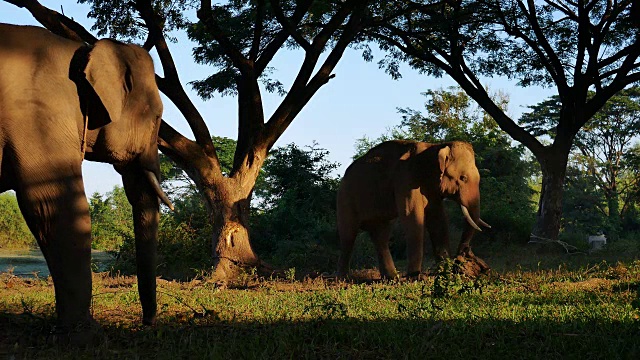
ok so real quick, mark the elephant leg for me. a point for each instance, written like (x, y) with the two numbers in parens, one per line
(438, 227)
(413, 224)
(380, 234)
(464, 248)
(57, 213)
(145, 207)
(347, 232)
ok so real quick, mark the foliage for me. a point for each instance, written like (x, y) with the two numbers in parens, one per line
(600, 177)
(111, 219)
(183, 251)
(293, 219)
(14, 232)
(583, 203)
(631, 183)
(451, 115)
(184, 235)
(536, 45)
(116, 18)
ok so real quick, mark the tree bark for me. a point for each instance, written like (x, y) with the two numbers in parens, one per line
(228, 208)
(614, 214)
(549, 216)
(228, 202)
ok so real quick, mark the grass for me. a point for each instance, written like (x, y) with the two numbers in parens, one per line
(569, 308)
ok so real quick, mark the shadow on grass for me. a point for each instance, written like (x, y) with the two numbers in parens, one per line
(24, 336)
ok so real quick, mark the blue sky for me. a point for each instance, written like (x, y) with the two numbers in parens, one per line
(360, 100)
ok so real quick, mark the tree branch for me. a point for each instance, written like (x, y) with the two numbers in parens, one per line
(583, 43)
(554, 61)
(301, 91)
(270, 50)
(55, 22)
(257, 32)
(287, 26)
(533, 45)
(473, 88)
(564, 9)
(170, 85)
(188, 155)
(320, 40)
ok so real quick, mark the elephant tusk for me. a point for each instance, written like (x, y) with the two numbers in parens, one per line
(465, 212)
(481, 222)
(153, 181)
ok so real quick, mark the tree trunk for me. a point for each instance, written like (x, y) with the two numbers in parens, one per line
(614, 221)
(549, 215)
(228, 207)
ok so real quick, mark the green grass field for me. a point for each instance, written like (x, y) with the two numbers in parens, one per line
(568, 307)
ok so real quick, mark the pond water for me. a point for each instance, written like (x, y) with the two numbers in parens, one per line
(31, 262)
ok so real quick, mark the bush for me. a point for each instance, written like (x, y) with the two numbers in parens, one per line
(111, 219)
(183, 251)
(14, 233)
(293, 221)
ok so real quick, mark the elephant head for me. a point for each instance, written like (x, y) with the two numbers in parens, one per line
(460, 182)
(121, 105)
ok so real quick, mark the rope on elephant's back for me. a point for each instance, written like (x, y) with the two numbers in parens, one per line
(85, 120)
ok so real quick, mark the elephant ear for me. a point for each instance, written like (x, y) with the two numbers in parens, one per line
(110, 78)
(444, 157)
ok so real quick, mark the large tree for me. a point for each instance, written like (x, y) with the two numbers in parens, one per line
(573, 46)
(600, 148)
(239, 40)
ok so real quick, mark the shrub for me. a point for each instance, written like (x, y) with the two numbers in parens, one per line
(14, 232)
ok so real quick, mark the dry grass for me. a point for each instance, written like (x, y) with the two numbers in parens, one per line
(561, 311)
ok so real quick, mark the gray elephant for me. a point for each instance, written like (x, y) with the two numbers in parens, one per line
(62, 101)
(408, 180)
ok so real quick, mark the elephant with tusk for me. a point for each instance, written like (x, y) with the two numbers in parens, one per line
(62, 101)
(408, 180)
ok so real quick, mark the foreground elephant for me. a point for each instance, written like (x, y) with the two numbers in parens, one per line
(409, 180)
(62, 101)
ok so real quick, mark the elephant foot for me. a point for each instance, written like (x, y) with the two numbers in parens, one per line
(80, 335)
(149, 320)
(389, 276)
(416, 276)
(471, 265)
